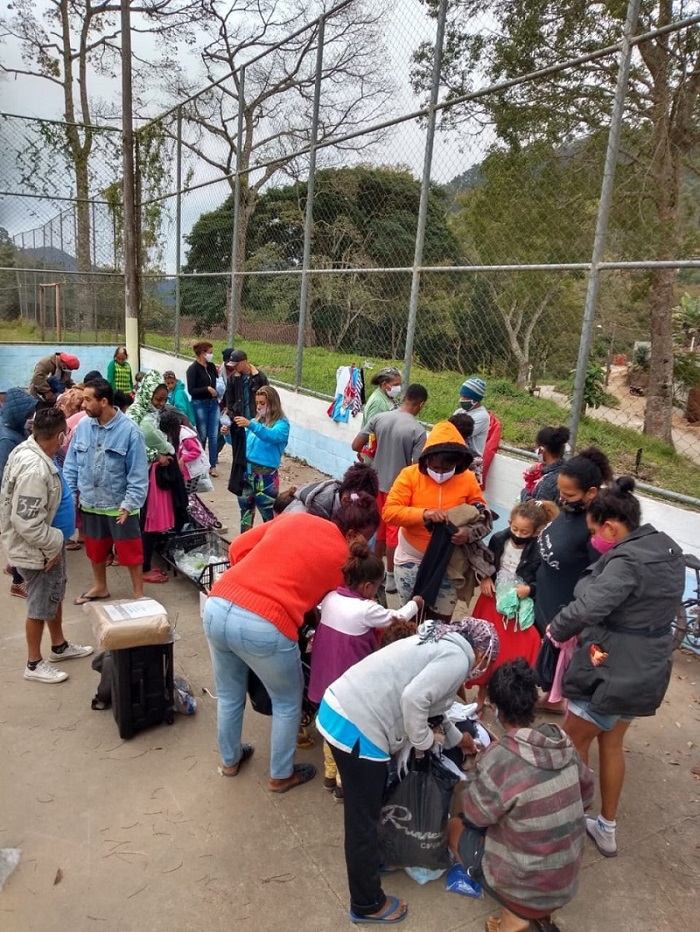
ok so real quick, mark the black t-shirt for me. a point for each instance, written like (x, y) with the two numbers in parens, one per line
(566, 551)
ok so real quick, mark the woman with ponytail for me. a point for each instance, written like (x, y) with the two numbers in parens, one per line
(622, 612)
(346, 635)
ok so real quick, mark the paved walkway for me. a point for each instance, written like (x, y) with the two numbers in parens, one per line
(144, 834)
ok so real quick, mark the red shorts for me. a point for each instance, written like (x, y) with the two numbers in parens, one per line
(101, 532)
(386, 532)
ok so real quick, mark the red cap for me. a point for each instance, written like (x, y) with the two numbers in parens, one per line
(69, 361)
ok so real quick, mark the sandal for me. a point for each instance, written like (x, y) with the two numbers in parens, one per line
(304, 740)
(155, 576)
(393, 907)
(74, 545)
(302, 773)
(247, 751)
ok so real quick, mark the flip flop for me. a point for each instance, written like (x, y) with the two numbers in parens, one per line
(73, 545)
(155, 576)
(391, 905)
(85, 598)
(302, 773)
(247, 751)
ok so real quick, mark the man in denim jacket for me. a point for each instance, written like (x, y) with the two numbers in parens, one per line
(106, 465)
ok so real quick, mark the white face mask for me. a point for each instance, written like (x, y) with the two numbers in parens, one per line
(394, 391)
(440, 477)
(540, 454)
(209, 357)
(262, 412)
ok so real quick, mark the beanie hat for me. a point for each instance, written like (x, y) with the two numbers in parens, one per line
(473, 388)
(69, 361)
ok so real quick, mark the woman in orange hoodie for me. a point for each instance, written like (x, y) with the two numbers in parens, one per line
(420, 497)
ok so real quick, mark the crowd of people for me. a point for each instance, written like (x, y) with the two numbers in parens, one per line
(575, 572)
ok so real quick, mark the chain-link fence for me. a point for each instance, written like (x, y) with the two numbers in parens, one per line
(60, 251)
(457, 188)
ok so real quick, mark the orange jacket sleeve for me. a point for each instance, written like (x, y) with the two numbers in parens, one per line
(398, 510)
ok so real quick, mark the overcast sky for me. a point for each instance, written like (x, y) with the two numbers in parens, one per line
(404, 27)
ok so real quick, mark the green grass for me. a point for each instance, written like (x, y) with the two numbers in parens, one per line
(20, 331)
(521, 414)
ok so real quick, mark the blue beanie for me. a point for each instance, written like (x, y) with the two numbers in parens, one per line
(473, 388)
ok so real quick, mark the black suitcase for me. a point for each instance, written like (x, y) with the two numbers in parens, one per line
(142, 688)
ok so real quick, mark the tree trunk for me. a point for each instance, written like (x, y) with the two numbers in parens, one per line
(659, 408)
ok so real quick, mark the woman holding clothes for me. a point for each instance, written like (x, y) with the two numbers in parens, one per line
(377, 707)
(622, 613)
(201, 384)
(267, 436)
(551, 446)
(252, 620)
(565, 544)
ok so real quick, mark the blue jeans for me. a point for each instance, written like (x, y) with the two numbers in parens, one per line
(239, 640)
(206, 414)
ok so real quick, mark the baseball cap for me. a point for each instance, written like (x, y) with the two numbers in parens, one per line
(237, 356)
(69, 361)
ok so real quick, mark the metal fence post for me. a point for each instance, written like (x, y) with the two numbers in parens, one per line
(235, 270)
(131, 271)
(601, 227)
(309, 218)
(178, 226)
(424, 194)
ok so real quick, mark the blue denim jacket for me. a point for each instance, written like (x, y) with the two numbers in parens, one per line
(107, 464)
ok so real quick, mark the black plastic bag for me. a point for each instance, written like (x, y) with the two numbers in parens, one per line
(546, 663)
(102, 664)
(414, 816)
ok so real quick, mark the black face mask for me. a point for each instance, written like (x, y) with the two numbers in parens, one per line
(519, 540)
(573, 508)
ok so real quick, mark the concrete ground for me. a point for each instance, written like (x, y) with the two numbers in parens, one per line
(144, 834)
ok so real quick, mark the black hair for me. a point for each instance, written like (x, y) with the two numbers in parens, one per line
(362, 566)
(118, 349)
(102, 389)
(460, 459)
(360, 477)
(122, 400)
(48, 423)
(170, 424)
(589, 469)
(512, 688)
(92, 375)
(617, 503)
(464, 423)
(357, 512)
(416, 393)
(553, 439)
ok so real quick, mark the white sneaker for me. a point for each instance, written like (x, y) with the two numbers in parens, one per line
(45, 673)
(70, 653)
(390, 583)
(604, 841)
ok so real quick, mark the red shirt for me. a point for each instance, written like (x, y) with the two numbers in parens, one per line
(281, 569)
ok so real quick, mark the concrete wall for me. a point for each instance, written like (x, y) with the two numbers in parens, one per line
(314, 437)
(17, 360)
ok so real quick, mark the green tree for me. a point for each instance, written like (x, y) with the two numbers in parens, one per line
(663, 129)
(9, 293)
(364, 218)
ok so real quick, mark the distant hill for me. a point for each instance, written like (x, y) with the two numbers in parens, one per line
(471, 178)
(47, 257)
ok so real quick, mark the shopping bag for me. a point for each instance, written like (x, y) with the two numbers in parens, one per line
(413, 820)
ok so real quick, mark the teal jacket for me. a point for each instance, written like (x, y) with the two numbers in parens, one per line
(179, 399)
(265, 445)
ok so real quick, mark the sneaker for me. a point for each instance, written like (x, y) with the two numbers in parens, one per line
(338, 794)
(19, 589)
(604, 841)
(70, 653)
(45, 673)
(329, 784)
(390, 583)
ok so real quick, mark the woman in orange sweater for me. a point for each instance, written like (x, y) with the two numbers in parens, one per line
(422, 495)
(279, 570)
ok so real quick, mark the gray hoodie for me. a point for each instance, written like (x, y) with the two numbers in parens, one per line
(390, 695)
